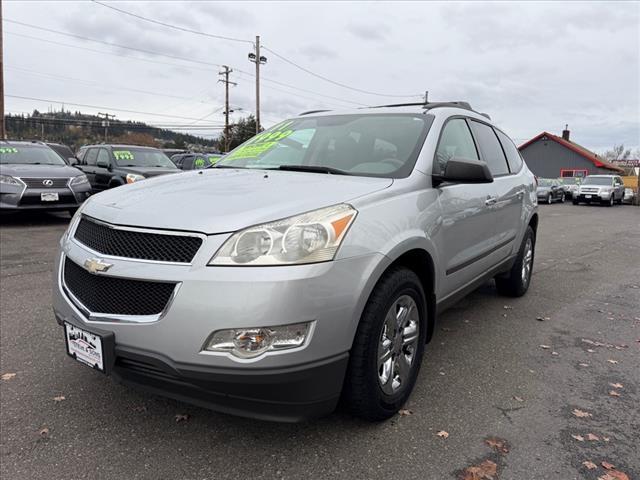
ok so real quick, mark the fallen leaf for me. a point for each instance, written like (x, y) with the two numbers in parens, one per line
(508, 307)
(498, 444)
(614, 475)
(486, 470)
(182, 417)
(590, 350)
(43, 432)
(613, 393)
(583, 364)
(612, 361)
(443, 434)
(607, 465)
(581, 413)
(405, 412)
(589, 464)
(555, 353)
(61, 398)
(546, 347)
(586, 340)
(616, 385)
(518, 399)
(7, 376)
(606, 439)
(580, 438)
(592, 438)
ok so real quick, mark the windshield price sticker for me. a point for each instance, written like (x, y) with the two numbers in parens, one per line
(262, 143)
(123, 155)
(199, 162)
(8, 150)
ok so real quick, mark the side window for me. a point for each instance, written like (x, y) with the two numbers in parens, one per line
(187, 163)
(490, 148)
(513, 154)
(455, 141)
(103, 156)
(91, 156)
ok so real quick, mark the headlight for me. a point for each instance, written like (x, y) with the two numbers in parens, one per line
(253, 342)
(133, 177)
(79, 180)
(9, 180)
(308, 238)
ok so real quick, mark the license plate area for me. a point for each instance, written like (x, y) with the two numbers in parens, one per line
(49, 197)
(587, 196)
(84, 346)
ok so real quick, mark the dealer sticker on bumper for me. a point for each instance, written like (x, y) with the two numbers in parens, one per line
(84, 346)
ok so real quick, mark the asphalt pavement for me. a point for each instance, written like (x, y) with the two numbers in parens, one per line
(533, 388)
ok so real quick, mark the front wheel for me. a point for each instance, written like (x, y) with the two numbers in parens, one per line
(517, 280)
(562, 198)
(549, 199)
(611, 201)
(388, 346)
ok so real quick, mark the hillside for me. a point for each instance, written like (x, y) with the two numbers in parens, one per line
(76, 129)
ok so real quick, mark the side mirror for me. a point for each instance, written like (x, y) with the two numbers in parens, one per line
(103, 164)
(72, 161)
(462, 170)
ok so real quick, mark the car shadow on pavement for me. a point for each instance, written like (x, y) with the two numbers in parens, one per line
(33, 219)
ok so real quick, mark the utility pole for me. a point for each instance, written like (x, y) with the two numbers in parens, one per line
(105, 123)
(256, 58)
(3, 129)
(225, 74)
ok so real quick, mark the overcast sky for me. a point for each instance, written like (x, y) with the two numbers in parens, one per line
(532, 66)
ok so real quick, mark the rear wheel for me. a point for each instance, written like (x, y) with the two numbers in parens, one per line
(562, 198)
(611, 201)
(516, 282)
(388, 347)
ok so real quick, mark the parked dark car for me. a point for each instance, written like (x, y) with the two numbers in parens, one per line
(65, 152)
(34, 177)
(195, 161)
(109, 166)
(550, 190)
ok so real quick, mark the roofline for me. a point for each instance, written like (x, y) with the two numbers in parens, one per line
(595, 160)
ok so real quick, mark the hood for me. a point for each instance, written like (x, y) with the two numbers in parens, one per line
(225, 200)
(52, 171)
(150, 171)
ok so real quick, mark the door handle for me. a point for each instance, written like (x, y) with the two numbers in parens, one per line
(491, 200)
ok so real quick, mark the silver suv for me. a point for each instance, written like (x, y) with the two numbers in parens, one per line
(307, 265)
(604, 189)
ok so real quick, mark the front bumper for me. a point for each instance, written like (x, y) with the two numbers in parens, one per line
(165, 355)
(21, 198)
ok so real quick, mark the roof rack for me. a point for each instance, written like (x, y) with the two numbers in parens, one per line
(309, 112)
(427, 105)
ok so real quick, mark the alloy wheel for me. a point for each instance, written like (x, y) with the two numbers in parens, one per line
(527, 261)
(398, 345)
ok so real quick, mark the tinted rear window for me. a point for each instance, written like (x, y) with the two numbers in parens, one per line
(513, 154)
(490, 148)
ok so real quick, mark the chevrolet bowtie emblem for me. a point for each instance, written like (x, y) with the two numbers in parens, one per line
(95, 265)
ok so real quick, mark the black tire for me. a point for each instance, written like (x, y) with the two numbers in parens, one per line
(515, 283)
(562, 198)
(363, 391)
(549, 199)
(611, 201)
(575, 201)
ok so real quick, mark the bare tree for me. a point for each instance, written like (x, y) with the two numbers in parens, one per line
(617, 153)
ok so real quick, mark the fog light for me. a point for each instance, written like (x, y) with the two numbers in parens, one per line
(253, 342)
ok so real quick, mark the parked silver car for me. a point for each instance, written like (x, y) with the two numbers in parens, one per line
(309, 264)
(604, 189)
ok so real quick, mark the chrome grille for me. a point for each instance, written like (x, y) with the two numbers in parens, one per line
(39, 182)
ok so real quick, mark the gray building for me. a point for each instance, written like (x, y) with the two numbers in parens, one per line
(550, 156)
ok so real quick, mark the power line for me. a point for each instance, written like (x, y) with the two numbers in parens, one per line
(183, 29)
(125, 47)
(168, 25)
(333, 81)
(102, 85)
(100, 107)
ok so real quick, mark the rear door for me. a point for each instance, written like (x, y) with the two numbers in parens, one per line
(88, 166)
(103, 173)
(506, 200)
(466, 233)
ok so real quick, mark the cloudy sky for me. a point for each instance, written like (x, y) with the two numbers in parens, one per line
(532, 66)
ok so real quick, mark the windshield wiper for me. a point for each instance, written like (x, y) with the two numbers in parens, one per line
(223, 166)
(313, 169)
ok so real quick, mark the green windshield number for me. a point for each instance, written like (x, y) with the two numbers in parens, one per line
(123, 155)
(8, 150)
(199, 163)
(213, 160)
(262, 143)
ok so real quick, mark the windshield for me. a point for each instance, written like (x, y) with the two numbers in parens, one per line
(380, 145)
(544, 182)
(597, 181)
(571, 181)
(29, 155)
(138, 157)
